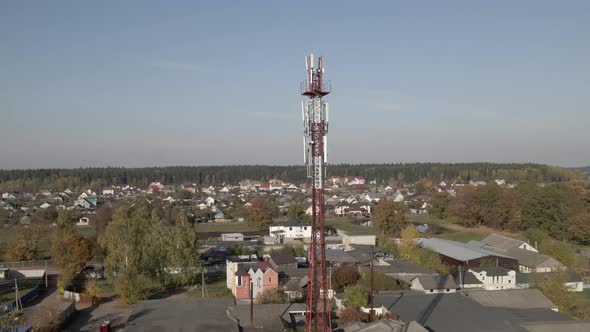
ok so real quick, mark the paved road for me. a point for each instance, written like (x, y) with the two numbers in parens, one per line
(89, 319)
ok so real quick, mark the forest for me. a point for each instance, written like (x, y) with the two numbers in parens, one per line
(60, 179)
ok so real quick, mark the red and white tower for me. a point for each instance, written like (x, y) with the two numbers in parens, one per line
(315, 113)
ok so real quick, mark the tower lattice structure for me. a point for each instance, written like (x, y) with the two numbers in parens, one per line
(315, 114)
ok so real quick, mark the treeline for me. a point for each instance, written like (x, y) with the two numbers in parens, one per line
(35, 179)
(562, 209)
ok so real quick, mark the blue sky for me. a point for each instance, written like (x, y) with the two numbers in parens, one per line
(143, 83)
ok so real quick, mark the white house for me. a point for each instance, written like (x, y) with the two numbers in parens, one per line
(84, 221)
(108, 191)
(289, 230)
(169, 199)
(45, 205)
(210, 201)
(488, 278)
(201, 206)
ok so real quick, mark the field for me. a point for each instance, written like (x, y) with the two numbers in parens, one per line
(216, 286)
(229, 227)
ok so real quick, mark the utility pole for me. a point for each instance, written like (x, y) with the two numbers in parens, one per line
(203, 284)
(251, 304)
(17, 301)
(372, 311)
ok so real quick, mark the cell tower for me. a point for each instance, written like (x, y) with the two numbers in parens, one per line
(315, 114)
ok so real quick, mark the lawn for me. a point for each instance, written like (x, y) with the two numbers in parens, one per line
(216, 286)
(229, 227)
(347, 226)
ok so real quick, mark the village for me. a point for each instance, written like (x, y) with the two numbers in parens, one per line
(244, 262)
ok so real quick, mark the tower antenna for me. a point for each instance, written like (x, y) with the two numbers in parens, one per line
(315, 128)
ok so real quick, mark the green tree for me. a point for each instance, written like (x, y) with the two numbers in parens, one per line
(439, 205)
(71, 254)
(93, 290)
(356, 297)
(432, 260)
(262, 212)
(344, 276)
(296, 212)
(381, 281)
(407, 246)
(388, 217)
(27, 243)
(555, 289)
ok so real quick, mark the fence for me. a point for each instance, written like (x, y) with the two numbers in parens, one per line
(21, 264)
(33, 293)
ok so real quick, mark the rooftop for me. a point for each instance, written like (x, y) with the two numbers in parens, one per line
(454, 312)
(456, 250)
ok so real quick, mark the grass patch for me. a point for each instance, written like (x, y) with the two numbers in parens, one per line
(347, 226)
(216, 286)
(225, 227)
(463, 237)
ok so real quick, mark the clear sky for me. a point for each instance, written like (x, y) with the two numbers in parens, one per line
(144, 83)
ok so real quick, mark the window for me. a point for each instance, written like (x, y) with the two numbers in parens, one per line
(258, 282)
(305, 228)
(290, 228)
(239, 281)
(432, 290)
(509, 281)
(269, 279)
(448, 290)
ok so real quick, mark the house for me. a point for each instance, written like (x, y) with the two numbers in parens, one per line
(220, 216)
(434, 284)
(237, 237)
(108, 191)
(201, 206)
(355, 181)
(225, 190)
(263, 187)
(397, 197)
(459, 254)
(248, 185)
(45, 193)
(169, 199)
(383, 325)
(488, 278)
(85, 203)
(84, 221)
(350, 238)
(261, 278)
(8, 196)
(528, 260)
(291, 187)
(45, 205)
(282, 260)
(457, 312)
(504, 242)
(209, 190)
(57, 198)
(373, 197)
(289, 230)
(210, 201)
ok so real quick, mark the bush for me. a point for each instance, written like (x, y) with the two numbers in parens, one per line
(93, 290)
(131, 287)
(344, 276)
(271, 295)
(381, 281)
(349, 315)
(356, 297)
